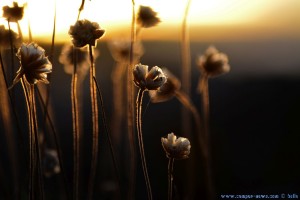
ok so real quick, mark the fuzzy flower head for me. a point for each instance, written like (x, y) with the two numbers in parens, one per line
(168, 90)
(33, 64)
(120, 50)
(85, 32)
(177, 148)
(148, 80)
(5, 38)
(50, 163)
(213, 62)
(147, 17)
(13, 14)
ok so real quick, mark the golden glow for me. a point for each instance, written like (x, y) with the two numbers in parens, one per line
(115, 14)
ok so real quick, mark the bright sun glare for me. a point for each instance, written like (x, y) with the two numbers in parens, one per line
(113, 14)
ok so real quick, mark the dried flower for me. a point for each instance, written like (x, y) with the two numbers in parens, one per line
(151, 80)
(50, 162)
(82, 57)
(13, 14)
(33, 64)
(85, 32)
(120, 50)
(213, 62)
(5, 38)
(147, 17)
(168, 90)
(176, 148)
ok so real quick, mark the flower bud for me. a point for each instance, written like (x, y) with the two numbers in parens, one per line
(176, 148)
(50, 162)
(13, 14)
(147, 17)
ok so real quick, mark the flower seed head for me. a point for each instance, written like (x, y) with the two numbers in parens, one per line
(168, 90)
(33, 64)
(213, 62)
(13, 14)
(150, 80)
(85, 32)
(147, 17)
(5, 38)
(177, 148)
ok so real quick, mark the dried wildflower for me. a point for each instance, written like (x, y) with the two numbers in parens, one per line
(213, 62)
(176, 148)
(168, 90)
(50, 163)
(5, 38)
(82, 57)
(120, 50)
(151, 80)
(147, 17)
(85, 32)
(13, 14)
(33, 64)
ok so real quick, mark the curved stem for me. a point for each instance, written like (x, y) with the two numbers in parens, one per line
(76, 134)
(108, 135)
(95, 126)
(140, 139)
(170, 178)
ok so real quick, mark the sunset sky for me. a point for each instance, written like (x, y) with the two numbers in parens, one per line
(208, 19)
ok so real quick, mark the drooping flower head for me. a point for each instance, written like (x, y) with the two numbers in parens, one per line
(5, 38)
(213, 62)
(85, 32)
(33, 64)
(120, 50)
(13, 14)
(168, 90)
(147, 17)
(177, 148)
(148, 80)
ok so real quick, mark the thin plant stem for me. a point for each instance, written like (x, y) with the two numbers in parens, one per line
(107, 130)
(140, 139)
(186, 65)
(12, 52)
(95, 126)
(31, 157)
(170, 178)
(205, 107)
(130, 108)
(80, 8)
(76, 145)
(37, 144)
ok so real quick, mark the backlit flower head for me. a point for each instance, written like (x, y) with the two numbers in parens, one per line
(148, 80)
(5, 38)
(168, 90)
(120, 50)
(213, 62)
(13, 14)
(50, 162)
(177, 148)
(33, 64)
(147, 17)
(82, 56)
(85, 32)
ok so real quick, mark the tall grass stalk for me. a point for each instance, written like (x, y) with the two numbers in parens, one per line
(186, 65)
(140, 140)
(130, 107)
(95, 121)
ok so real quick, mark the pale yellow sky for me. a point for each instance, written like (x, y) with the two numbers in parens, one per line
(208, 19)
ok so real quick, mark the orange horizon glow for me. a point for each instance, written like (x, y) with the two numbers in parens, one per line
(208, 19)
